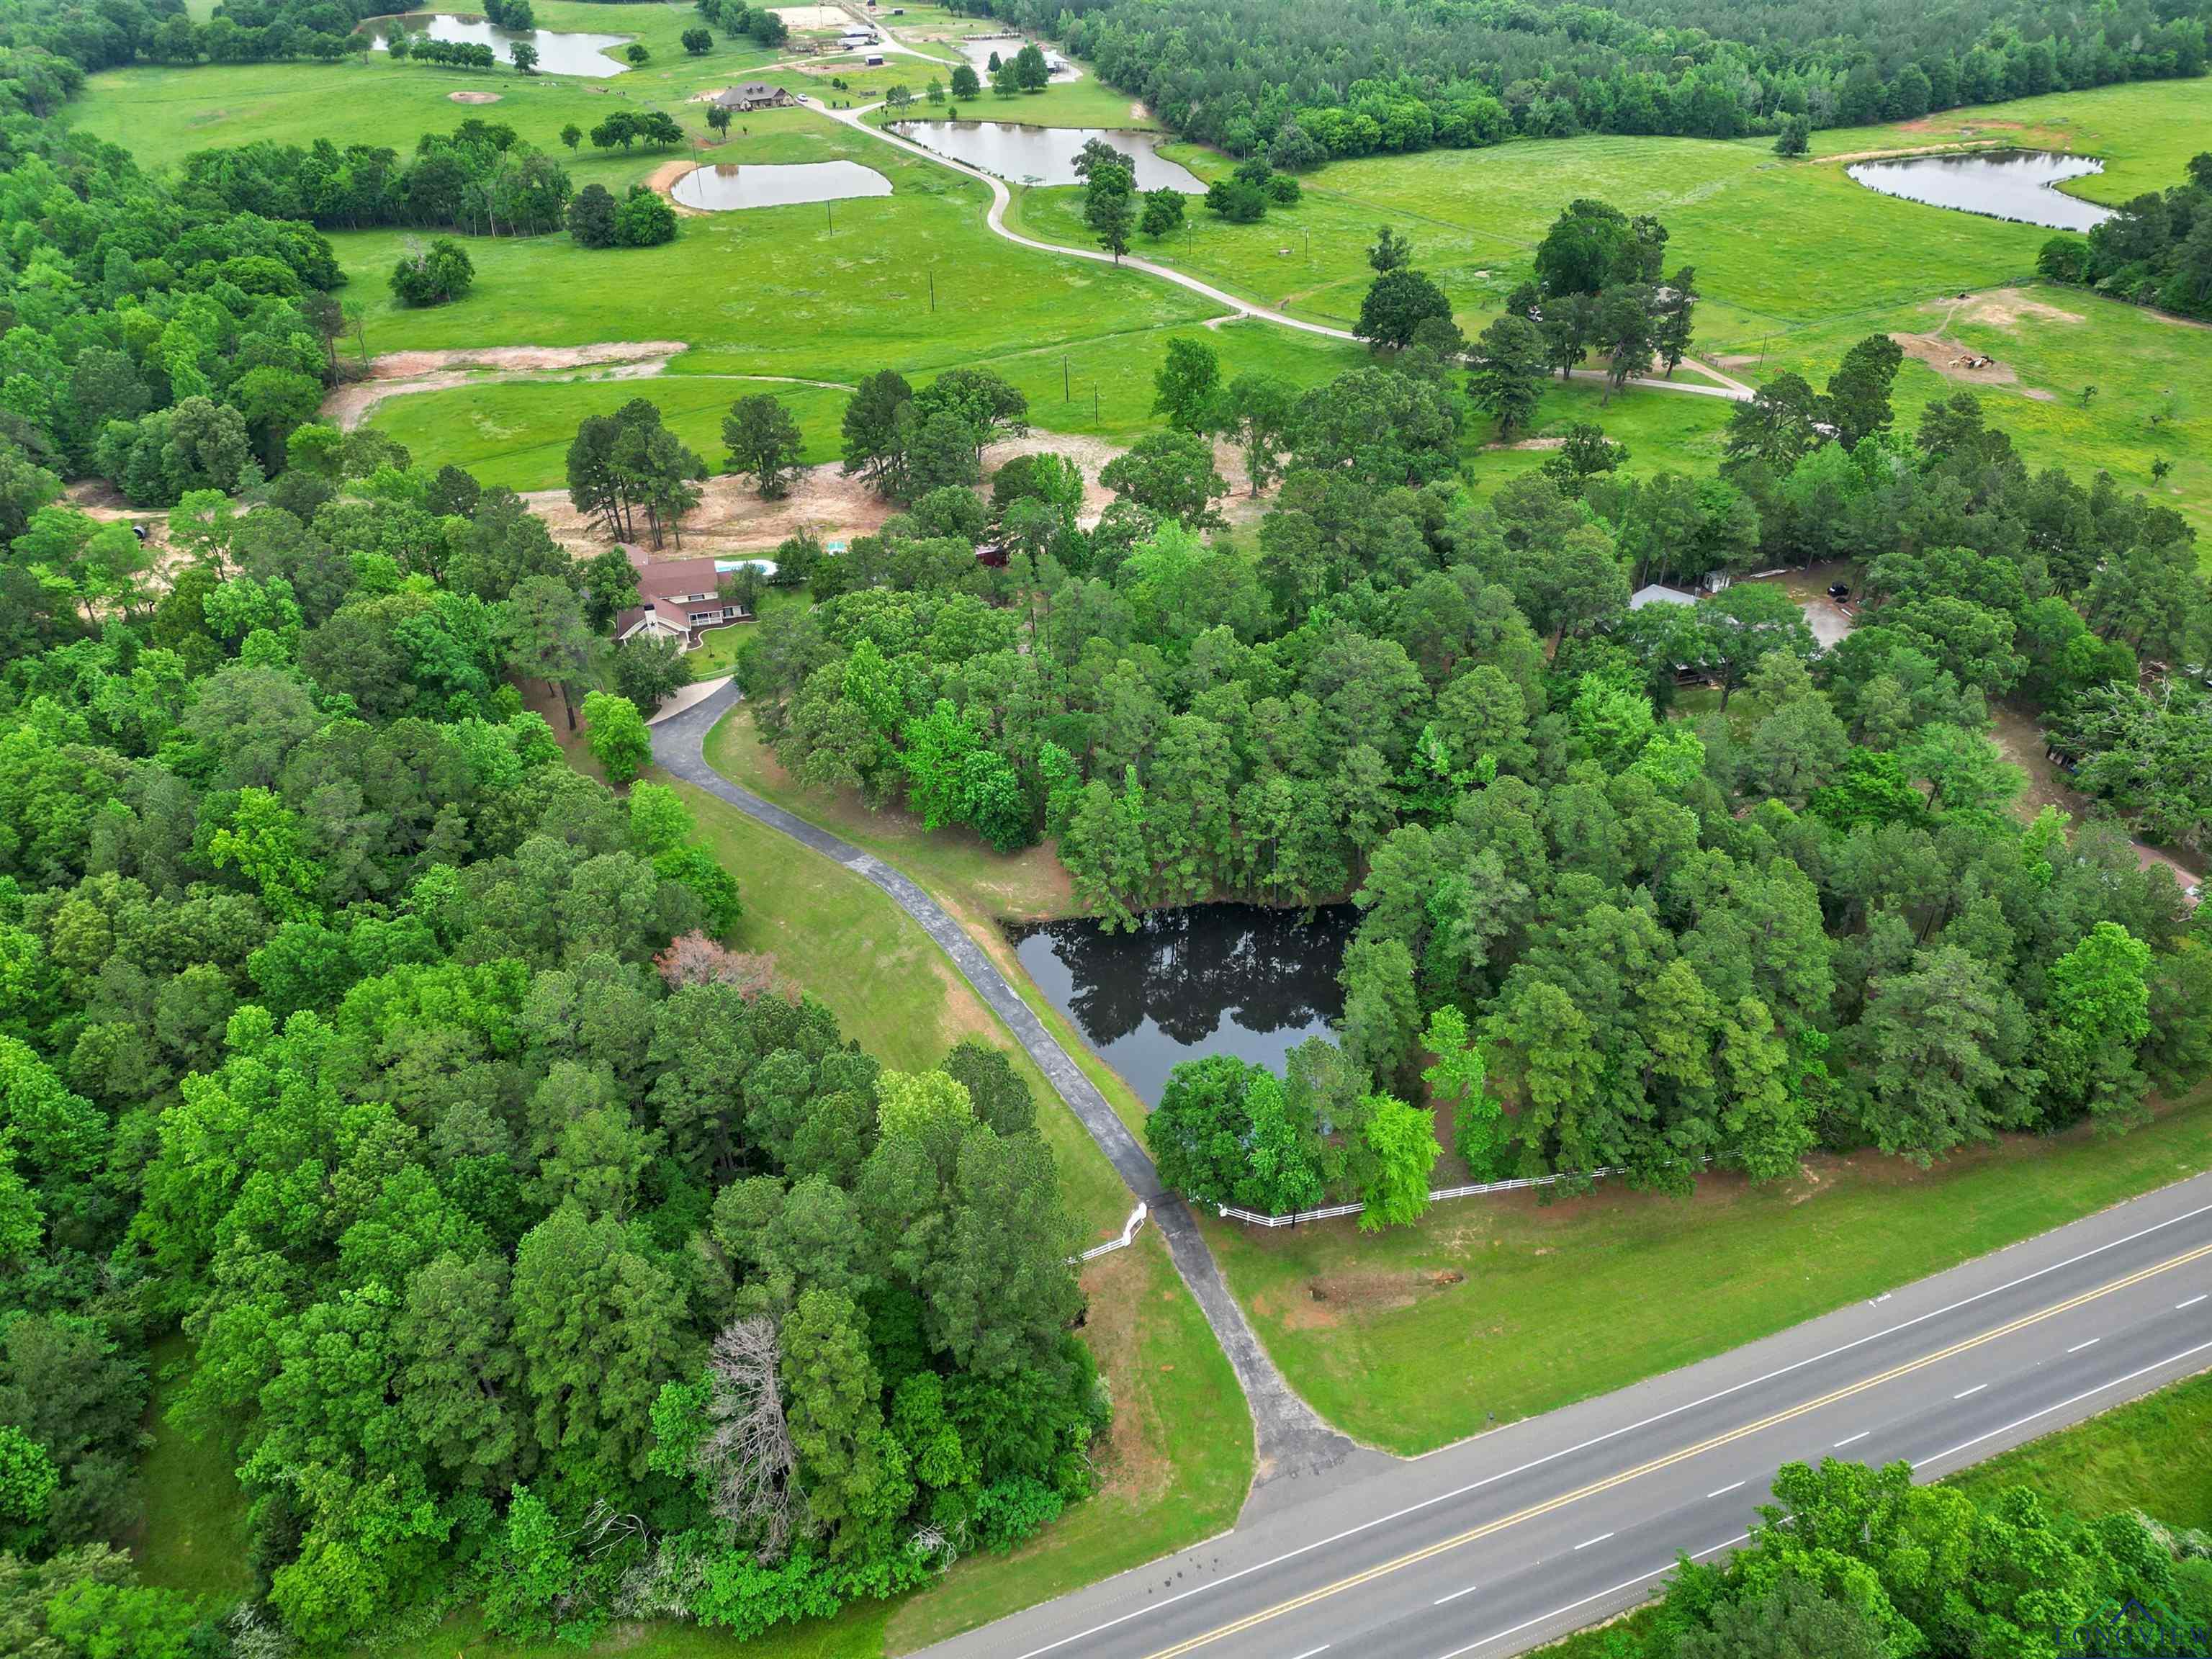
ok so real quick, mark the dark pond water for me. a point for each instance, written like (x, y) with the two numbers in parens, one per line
(1044, 156)
(1214, 979)
(735, 184)
(558, 53)
(2011, 183)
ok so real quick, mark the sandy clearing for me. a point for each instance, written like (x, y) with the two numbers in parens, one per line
(1906, 153)
(2002, 307)
(664, 177)
(730, 518)
(473, 97)
(823, 503)
(814, 17)
(397, 373)
(1954, 362)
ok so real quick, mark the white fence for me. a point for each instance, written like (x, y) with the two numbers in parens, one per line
(1128, 1236)
(1333, 1210)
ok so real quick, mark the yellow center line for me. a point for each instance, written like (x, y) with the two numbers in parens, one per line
(1414, 1558)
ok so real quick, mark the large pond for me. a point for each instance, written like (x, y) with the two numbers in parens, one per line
(2011, 183)
(1214, 978)
(734, 185)
(558, 53)
(1044, 156)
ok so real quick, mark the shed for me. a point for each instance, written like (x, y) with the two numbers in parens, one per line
(1656, 594)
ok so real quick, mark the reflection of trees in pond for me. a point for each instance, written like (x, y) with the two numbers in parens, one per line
(1184, 969)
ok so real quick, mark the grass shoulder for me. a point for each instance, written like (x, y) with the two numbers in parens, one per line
(1414, 1337)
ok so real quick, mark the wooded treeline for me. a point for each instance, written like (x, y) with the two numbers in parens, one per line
(532, 1248)
(1854, 1563)
(2155, 251)
(1308, 80)
(480, 178)
(1804, 914)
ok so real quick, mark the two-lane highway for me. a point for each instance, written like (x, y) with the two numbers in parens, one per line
(1509, 1540)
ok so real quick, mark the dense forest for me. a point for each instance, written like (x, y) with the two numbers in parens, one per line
(1309, 80)
(533, 1249)
(1802, 914)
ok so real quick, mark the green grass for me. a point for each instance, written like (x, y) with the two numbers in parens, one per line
(162, 113)
(517, 432)
(856, 1633)
(195, 1537)
(893, 991)
(2148, 1454)
(2153, 375)
(831, 295)
(1410, 1339)
(981, 888)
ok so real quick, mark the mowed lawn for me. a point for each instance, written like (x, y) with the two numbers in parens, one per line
(1412, 1338)
(2149, 1454)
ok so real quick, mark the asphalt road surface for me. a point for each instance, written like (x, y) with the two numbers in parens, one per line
(1514, 1538)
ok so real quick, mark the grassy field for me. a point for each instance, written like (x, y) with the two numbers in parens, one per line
(518, 433)
(1411, 1339)
(161, 113)
(194, 1539)
(981, 888)
(2148, 1454)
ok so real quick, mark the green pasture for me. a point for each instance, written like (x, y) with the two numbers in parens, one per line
(517, 432)
(1775, 246)
(824, 291)
(161, 113)
(2152, 375)
(1413, 1337)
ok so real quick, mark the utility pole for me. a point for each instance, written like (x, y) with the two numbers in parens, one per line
(1066, 396)
(829, 215)
(932, 289)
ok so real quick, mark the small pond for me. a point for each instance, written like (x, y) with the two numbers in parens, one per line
(748, 185)
(2008, 184)
(558, 53)
(1044, 156)
(1212, 979)
(979, 52)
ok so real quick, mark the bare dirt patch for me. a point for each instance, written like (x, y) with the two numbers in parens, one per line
(2003, 307)
(1954, 362)
(398, 373)
(473, 97)
(814, 17)
(1530, 443)
(2039, 393)
(731, 518)
(663, 178)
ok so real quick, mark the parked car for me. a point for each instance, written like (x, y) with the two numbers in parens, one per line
(1838, 592)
